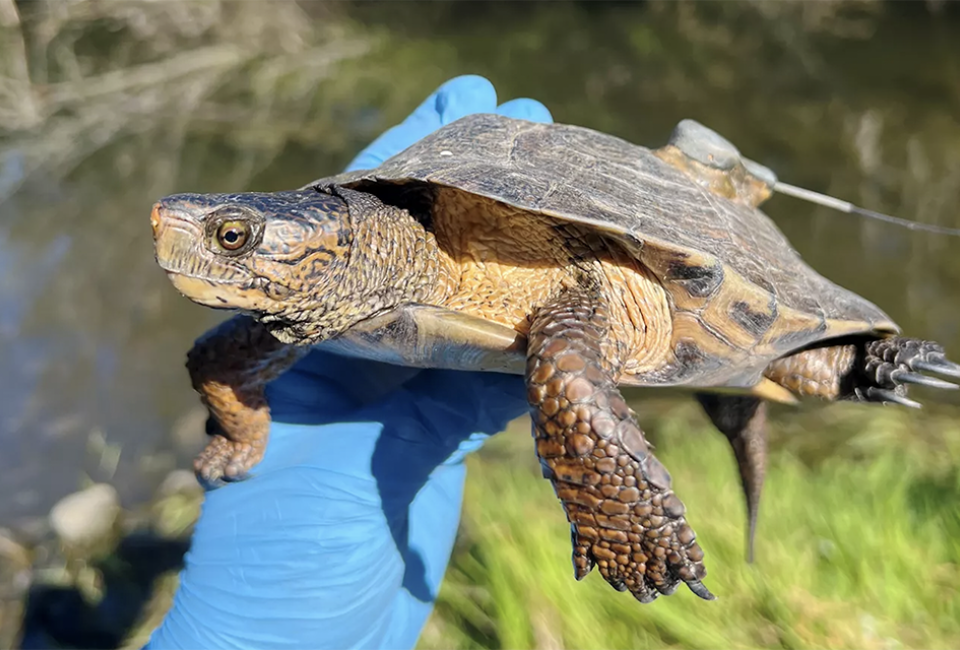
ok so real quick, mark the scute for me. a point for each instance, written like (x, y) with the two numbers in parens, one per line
(747, 294)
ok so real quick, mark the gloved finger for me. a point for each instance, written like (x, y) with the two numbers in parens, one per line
(454, 99)
(464, 96)
(447, 401)
(332, 385)
(325, 388)
(314, 393)
(525, 109)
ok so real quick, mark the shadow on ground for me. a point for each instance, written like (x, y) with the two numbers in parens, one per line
(61, 617)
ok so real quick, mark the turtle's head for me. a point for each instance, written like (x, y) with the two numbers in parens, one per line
(268, 254)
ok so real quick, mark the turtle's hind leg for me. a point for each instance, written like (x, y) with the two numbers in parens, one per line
(230, 367)
(624, 516)
(743, 420)
(890, 365)
(878, 370)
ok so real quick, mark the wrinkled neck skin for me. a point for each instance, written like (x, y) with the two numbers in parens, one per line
(391, 260)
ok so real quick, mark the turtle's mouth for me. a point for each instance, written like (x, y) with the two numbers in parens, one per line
(245, 295)
(202, 291)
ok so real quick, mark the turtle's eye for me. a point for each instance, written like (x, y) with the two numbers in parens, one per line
(232, 235)
(233, 230)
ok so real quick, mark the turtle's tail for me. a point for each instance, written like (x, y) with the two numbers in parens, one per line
(888, 366)
(743, 420)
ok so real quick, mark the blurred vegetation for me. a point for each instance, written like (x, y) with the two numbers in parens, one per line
(79, 75)
(106, 105)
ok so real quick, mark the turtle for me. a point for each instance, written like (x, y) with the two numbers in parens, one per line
(572, 257)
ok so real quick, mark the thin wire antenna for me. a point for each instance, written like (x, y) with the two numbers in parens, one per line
(849, 208)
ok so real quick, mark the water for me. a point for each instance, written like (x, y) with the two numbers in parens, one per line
(862, 105)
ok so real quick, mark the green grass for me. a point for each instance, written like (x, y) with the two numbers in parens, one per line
(858, 546)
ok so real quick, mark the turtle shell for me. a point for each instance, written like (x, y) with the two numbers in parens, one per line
(740, 294)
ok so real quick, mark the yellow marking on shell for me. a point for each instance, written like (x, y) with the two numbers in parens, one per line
(690, 326)
(671, 265)
(780, 338)
(773, 392)
(706, 294)
(740, 311)
(844, 327)
(765, 389)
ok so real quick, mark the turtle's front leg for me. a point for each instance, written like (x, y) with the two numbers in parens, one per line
(230, 367)
(624, 516)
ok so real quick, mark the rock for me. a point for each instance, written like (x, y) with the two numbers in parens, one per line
(86, 517)
(179, 481)
(16, 569)
(189, 431)
(177, 504)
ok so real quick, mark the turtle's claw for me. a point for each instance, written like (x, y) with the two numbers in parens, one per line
(891, 364)
(701, 590)
(939, 366)
(646, 597)
(668, 589)
(210, 484)
(923, 380)
(883, 395)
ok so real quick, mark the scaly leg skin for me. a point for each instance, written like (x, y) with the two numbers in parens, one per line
(878, 370)
(743, 420)
(230, 366)
(624, 516)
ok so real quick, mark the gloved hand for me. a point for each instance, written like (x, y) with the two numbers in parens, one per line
(342, 535)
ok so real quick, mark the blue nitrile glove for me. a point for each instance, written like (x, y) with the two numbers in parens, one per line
(342, 535)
